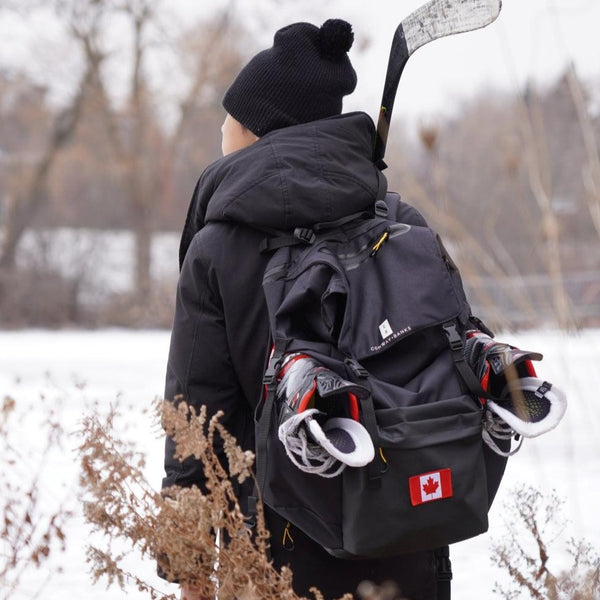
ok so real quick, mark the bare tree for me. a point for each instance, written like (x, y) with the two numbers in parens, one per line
(144, 151)
(591, 168)
(28, 198)
(540, 180)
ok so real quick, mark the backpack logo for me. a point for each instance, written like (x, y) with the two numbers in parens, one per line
(385, 329)
(427, 487)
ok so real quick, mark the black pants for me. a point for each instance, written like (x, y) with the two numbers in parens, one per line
(313, 566)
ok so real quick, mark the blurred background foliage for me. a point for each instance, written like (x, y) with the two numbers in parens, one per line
(96, 171)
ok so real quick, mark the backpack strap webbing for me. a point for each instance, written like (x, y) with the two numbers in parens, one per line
(266, 411)
(387, 207)
(301, 235)
(376, 468)
(457, 348)
(307, 235)
(443, 568)
(264, 422)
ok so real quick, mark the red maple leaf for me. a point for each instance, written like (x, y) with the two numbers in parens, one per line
(431, 486)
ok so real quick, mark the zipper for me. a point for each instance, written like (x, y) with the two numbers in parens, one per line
(369, 250)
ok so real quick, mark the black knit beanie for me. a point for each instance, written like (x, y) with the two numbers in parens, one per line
(302, 77)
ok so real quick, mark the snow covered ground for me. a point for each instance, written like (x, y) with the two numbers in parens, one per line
(74, 371)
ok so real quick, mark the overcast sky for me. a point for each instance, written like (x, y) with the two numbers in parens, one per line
(531, 40)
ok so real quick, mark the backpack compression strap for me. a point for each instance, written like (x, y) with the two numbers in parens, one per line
(306, 235)
(266, 411)
(457, 348)
(264, 416)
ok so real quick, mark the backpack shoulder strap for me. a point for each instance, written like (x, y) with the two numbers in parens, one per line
(393, 208)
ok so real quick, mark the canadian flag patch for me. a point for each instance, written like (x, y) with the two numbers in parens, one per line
(427, 487)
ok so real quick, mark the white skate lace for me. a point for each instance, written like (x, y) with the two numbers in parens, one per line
(306, 455)
(494, 428)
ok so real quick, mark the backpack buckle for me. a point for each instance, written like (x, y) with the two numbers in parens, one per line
(269, 376)
(381, 209)
(272, 370)
(356, 368)
(443, 564)
(305, 235)
(454, 339)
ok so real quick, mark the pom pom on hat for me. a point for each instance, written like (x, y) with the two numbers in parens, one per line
(303, 77)
(335, 38)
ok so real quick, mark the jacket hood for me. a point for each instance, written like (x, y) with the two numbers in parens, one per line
(292, 177)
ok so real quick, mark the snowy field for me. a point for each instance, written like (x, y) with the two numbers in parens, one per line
(75, 371)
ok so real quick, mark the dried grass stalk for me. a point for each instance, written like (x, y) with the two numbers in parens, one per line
(525, 552)
(178, 528)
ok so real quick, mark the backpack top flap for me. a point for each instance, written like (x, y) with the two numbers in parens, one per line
(362, 291)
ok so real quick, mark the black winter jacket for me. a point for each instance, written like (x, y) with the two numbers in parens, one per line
(296, 176)
(292, 177)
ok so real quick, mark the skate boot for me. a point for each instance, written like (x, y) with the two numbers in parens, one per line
(319, 418)
(529, 405)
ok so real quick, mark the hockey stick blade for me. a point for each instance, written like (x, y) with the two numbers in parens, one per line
(434, 20)
(441, 18)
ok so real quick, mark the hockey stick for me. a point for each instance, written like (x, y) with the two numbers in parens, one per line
(436, 19)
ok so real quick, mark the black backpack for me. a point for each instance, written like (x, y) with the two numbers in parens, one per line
(380, 303)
